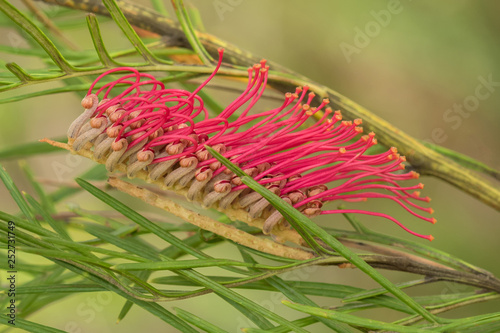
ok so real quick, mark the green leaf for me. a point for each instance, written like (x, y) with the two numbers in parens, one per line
(159, 7)
(21, 223)
(134, 246)
(464, 160)
(56, 226)
(482, 327)
(198, 322)
(60, 288)
(342, 291)
(257, 330)
(95, 34)
(17, 196)
(124, 311)
(196, 20)
(84, 248)
(465, 323)
(380, 291)
(184, 264)
(352, 320)
(22, 21)
(269, 256)
(127, 29)
(45, 201)
(255, 317)
(58, 254)
(189, 31)
(29, 326)
(174, 252)
(20, 73)
(103, 220)
(122, 232)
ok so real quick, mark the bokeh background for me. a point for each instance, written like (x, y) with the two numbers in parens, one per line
(426, 57)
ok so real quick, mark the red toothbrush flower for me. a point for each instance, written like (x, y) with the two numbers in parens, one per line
(142, 124)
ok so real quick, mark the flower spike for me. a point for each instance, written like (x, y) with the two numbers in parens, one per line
(144, 125)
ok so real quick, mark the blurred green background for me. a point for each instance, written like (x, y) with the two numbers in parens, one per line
(408, 67)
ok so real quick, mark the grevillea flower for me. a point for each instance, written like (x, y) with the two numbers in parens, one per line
(142, 124)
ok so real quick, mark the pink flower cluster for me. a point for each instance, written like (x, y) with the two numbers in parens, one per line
(146, 126)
